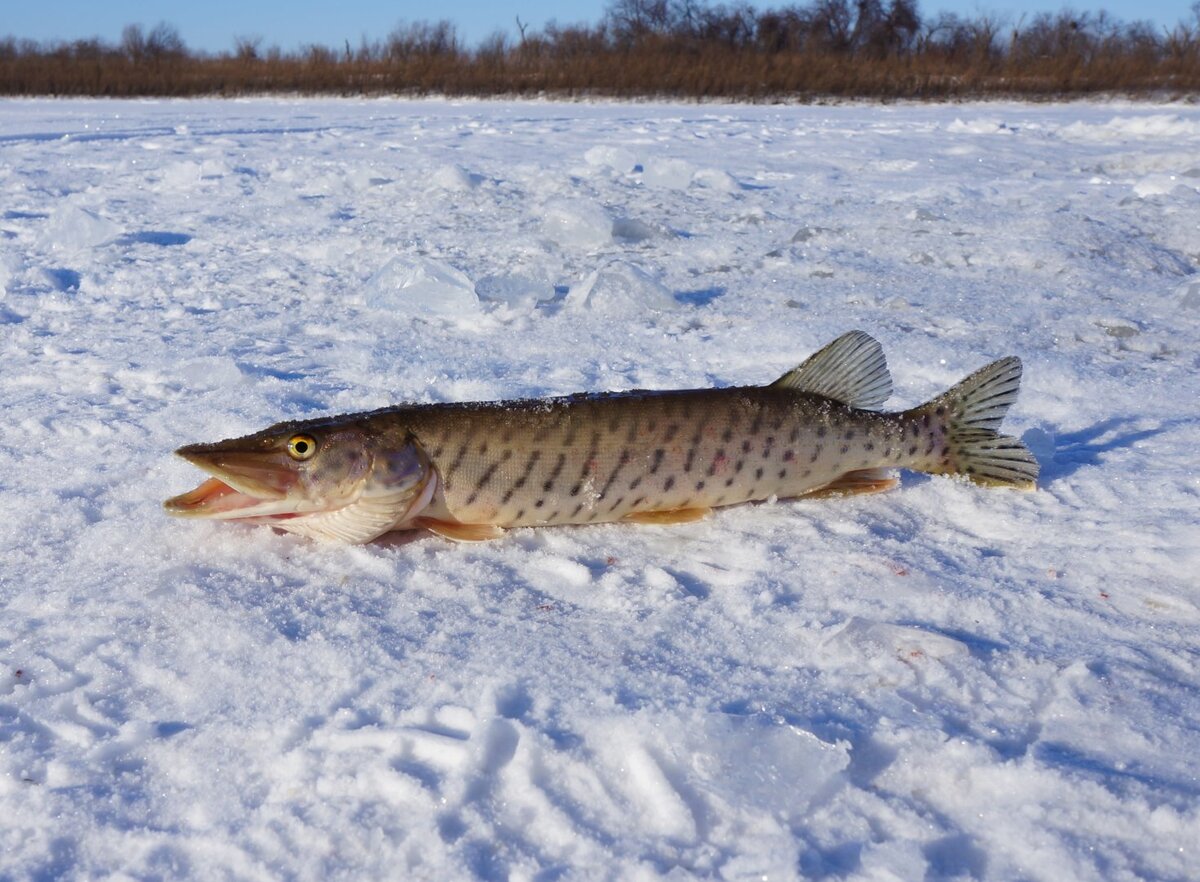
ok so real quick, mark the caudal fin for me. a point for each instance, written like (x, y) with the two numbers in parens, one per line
(971, 413)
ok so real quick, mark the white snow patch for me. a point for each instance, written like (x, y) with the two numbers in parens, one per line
(73, 228)
(1121, 128)
(210, 372)
(942, 682)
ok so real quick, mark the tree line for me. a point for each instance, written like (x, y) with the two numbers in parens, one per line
(668, 48)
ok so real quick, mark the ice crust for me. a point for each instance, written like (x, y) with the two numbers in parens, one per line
(939, 683)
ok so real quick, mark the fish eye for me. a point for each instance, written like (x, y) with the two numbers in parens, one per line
(301, 447)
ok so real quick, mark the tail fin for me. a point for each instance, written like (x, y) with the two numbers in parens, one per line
(971, 413)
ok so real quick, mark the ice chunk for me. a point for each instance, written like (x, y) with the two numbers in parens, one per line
(880, 643)
(72, 228)
(806, 233)
(10, 265)
(668, 174)
(1158, 185)
(362, 178)
(620, 287)
(523, 290)
(631, 229)
(923, 214)
(455, 178)
(214, 168)
(715, 179)
(1190, 296)
(979, 127)
(577, 224)
(749, 757)
(181, 175)
(421, 286)
(617, 158)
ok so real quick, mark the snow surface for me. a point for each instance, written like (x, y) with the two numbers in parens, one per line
(944, 682)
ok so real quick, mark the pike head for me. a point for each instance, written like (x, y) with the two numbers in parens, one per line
(341, 479)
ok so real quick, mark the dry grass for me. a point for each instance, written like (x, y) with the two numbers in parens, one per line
(828, 49)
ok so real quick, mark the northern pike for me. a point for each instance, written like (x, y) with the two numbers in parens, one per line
(467, 471)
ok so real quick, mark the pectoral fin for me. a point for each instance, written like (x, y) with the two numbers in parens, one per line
(461, 532)
(668, 516)
(855, 483)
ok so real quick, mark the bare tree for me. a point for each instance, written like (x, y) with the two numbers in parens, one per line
(133, 42)
(163, 43)
(246, 48)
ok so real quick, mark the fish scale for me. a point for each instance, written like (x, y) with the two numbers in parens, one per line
(612, 456)
(469, 470)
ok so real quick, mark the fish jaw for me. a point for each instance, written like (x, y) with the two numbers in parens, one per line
(355, 486)
(246, 484)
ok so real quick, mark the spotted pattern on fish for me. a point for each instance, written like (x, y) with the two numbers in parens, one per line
(465, 470)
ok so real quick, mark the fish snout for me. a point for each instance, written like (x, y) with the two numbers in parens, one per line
(261, 475)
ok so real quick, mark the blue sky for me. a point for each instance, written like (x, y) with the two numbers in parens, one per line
(213, 25)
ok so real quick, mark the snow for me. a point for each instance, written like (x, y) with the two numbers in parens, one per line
(943, 682)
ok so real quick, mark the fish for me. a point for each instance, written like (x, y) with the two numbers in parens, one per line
(469, 471)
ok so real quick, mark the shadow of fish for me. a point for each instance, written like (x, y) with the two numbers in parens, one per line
(467, 471)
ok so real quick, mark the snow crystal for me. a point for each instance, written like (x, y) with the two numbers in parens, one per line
(420, 287)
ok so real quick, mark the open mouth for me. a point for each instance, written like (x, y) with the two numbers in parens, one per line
(216, 499)
(246, 487)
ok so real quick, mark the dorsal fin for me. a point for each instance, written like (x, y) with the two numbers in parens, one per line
(851, 370)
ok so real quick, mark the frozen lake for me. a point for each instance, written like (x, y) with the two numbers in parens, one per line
(943, 682)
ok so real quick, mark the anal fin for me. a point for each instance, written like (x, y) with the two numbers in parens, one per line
(860, 481)
(460, 532)
(668, 516)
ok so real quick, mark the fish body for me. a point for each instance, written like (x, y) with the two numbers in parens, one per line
(470, 470)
